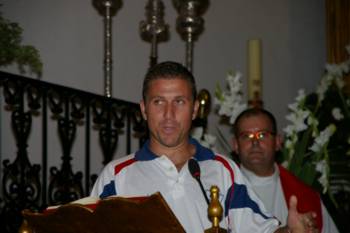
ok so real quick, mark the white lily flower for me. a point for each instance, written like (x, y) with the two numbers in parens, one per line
(337, 114)
(348, 49)
(298, 119)
(210, 139)
(206, 140)
(339, 82)
(285, 163)
(289, 130)
(311, 120)
(197, 133)
(301, 96)
(231, 102)
(334, 69)
(293, 107)
(322, 167)
(344, 67)
(323, 86)
(323, 138)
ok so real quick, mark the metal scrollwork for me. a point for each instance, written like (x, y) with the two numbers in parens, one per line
(20, 182)
(55, 102)
(78, 107)
(140, 126)
(104, 116)
(65, 186)
(34, 97)
(11, 92)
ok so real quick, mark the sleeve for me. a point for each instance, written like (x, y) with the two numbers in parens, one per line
(246, 211)
(328, 225)
(105, 184)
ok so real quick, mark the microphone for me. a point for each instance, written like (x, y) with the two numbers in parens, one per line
(195, 171)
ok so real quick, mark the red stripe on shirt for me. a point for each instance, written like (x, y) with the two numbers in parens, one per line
(122, 165)
(228, 167)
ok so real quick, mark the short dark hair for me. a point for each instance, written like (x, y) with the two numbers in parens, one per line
(254, 112)
(168, 70)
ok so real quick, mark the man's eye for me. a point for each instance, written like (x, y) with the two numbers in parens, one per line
(180, 101)
(247, 136)
(157, 101)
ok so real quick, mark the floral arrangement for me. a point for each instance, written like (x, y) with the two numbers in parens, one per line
(230, 102)
(319, 126)
(230, 105)
(319, 129)
(13, 52)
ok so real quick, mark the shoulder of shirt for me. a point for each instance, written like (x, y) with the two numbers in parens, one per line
(219, 156)
(224, 161)
(112, 164)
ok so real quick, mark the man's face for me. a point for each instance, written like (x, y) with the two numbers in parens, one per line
(169, 110)
(256, 144)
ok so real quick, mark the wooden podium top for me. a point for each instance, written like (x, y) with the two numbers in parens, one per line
(111, 215)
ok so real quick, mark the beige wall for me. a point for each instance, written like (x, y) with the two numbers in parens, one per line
(69, 35)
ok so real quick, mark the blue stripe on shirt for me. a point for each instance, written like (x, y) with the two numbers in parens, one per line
(108, 190)
(241, 199)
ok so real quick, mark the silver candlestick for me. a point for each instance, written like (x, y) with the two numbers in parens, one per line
(154, 29)
(190, 23)
(107, 8)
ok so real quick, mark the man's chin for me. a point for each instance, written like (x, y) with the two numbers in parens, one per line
(256, 156)
(169, 142)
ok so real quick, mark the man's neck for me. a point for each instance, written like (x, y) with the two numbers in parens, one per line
(263, 172)
(179, 155)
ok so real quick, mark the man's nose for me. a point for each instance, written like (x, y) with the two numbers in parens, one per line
(169, 111)
(255, 141)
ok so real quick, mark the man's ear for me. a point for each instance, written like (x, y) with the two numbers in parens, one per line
(195, 109)
(235, 145)
(278, 141)
(143, 110)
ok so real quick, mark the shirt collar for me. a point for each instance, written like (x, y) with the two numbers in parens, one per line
(260, 180)
(202, 153)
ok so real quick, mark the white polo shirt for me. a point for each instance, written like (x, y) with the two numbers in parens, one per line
(145, 173)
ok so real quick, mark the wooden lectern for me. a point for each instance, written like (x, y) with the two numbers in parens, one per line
(111, 215)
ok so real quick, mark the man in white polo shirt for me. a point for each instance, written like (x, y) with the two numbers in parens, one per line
(169, 105)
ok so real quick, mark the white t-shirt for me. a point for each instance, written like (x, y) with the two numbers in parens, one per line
(270, 192)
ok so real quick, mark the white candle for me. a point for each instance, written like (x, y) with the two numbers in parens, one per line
(254, 70)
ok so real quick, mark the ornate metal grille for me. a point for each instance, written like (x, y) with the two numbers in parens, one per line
(68, 112)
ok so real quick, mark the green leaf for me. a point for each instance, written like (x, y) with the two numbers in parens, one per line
(308, 173)
(300, 152)
(218, 92)
(12, 50)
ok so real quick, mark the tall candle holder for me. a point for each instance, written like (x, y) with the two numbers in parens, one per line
(254, 74)
(204, 101)
(154, 29)
(107, 8)
(190, 23)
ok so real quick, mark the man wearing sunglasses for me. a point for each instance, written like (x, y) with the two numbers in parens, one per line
(256, 142)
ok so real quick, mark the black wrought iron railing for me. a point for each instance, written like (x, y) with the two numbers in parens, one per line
(51, 139)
